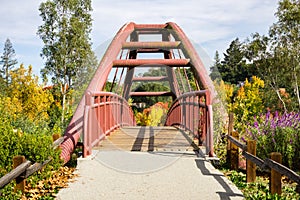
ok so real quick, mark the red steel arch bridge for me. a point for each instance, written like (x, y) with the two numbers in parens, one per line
(144, 46)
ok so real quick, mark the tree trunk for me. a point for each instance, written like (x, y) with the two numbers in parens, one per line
(297, 88)
(279, 96)
(63, 91)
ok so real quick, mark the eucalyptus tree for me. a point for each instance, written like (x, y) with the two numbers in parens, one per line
(67, 45)
(276, 56)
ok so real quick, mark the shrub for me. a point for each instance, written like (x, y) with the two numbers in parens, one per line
(277, 133)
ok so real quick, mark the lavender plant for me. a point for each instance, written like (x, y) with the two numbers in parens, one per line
(277, 133)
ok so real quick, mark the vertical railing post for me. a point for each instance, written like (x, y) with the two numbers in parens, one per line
(20, 182)
(87, 124)
(55, 136)
(234, 152)
(210, 131)
(250, 166)
(230, 129)
(275, 177)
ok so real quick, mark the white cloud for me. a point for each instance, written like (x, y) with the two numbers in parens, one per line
(212, 24)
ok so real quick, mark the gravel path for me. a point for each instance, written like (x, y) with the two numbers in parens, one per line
(148, 175)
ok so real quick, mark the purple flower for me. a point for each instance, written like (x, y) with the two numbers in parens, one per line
(256, 124)
(243, 139)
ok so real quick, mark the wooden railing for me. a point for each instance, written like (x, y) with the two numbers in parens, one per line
(271, 165)
(23, 168)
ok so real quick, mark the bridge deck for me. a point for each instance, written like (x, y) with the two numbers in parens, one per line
(141, 163)
(141, 138)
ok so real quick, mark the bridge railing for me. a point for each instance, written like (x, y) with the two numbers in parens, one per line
(104, 112)
(192, 112)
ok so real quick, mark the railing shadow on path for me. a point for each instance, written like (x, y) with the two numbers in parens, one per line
(220, 178)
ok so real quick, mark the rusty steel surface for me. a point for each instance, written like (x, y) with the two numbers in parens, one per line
(127, 39)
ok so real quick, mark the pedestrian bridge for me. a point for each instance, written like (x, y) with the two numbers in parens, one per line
(104, 111)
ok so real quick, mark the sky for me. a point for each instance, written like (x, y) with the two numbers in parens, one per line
(211, 24)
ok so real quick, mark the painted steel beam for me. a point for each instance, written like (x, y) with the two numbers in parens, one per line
(151, 62)
(165, 93)
(150, 45)
(149, 26)
(150, 78)
(150, 51)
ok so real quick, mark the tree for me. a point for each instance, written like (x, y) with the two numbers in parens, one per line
(285, 40)
(65, 33)
(33, 100)
(248, 102)
(276, 56)
(7, 61)
(214, 70)
(233, 68)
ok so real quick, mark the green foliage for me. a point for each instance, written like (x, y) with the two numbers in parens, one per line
(24, 127)
(214, 70)
(35, 147)
(277, 133)
(233, 68)
(69, 58)
(276, 57)
(7, 61)
(150, 87)
(248, 102)
(220, 110)
(153, 116)
(260, 188)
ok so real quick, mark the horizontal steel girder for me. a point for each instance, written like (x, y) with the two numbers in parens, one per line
(151, 45)
(151, 62)
(150, 78)
(165, 93)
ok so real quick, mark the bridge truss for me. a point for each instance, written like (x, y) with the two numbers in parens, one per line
(144, 46)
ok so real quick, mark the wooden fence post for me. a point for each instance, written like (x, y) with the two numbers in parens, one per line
(275, 177)
(20, 182)
(55, 136)
(250, 166)
(230, 129)
(234, 153)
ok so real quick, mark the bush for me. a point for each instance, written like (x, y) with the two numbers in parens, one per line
(35, 147)
(277, 133)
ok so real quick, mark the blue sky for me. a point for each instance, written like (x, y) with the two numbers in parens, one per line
(210, 24)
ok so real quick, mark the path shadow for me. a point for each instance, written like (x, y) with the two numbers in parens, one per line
(137, 146)
(219, 178)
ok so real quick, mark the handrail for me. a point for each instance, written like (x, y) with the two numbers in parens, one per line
(103, 113)
(192, 111)
(26, 168)
(266, 164)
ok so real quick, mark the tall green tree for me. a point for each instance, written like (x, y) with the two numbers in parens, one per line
(8, 61)
(233, 68)
(276, 56)
(214, 70)
(65, 33)
(285, 40)
(268, 64)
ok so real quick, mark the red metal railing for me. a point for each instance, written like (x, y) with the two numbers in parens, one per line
(104, 112)
(192, 112)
